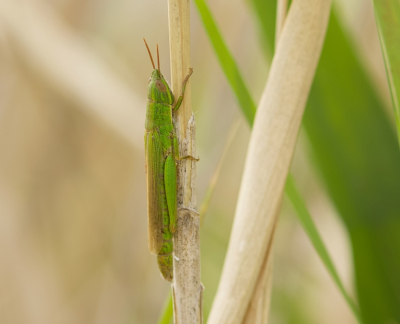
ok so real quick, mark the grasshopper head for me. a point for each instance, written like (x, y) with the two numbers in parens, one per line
(158, 89)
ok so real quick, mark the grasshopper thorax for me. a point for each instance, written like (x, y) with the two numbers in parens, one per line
(158, 89)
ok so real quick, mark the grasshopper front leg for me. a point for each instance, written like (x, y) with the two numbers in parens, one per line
(180, 158)
(187, 157)
(175, 108)
(180, 98)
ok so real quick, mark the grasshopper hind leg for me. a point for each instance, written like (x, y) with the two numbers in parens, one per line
(165, 264)
(170, 190)
(165, 256)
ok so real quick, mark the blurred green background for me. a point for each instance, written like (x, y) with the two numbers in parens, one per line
(73, 236)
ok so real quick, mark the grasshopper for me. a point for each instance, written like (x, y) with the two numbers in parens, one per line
(161, 153)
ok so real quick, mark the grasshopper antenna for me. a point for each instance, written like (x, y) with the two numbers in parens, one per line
(148, 50)
(158, 59)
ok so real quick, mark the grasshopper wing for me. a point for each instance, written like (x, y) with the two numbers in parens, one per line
(155, 186)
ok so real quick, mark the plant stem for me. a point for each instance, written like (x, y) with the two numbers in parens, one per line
(281, 11)
(258, 310)
(269, 155)
(186, 288)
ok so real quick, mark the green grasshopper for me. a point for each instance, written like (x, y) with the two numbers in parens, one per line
(161, 152)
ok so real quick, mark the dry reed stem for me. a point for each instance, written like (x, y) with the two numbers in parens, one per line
(71, 68)
(269, 156)
(281, 11)
(258, 310)
(259, 306)
(187, 287)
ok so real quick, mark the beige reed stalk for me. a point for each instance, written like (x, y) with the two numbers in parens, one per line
(186, 287)
(259, 306)
(281, 11)
(269, 156)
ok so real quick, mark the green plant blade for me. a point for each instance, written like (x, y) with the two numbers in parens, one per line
(387, 15)
(267, 24)
(356, 152)
(315, 238)
(227, 63)
(167, 313)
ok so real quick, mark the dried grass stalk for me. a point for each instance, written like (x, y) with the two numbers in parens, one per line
(269, 155)
(187, 287)
(281, 11)
(258, 310)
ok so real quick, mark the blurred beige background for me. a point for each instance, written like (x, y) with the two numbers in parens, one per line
(73, 245)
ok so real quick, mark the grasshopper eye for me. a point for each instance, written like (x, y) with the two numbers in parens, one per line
(161, 86)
